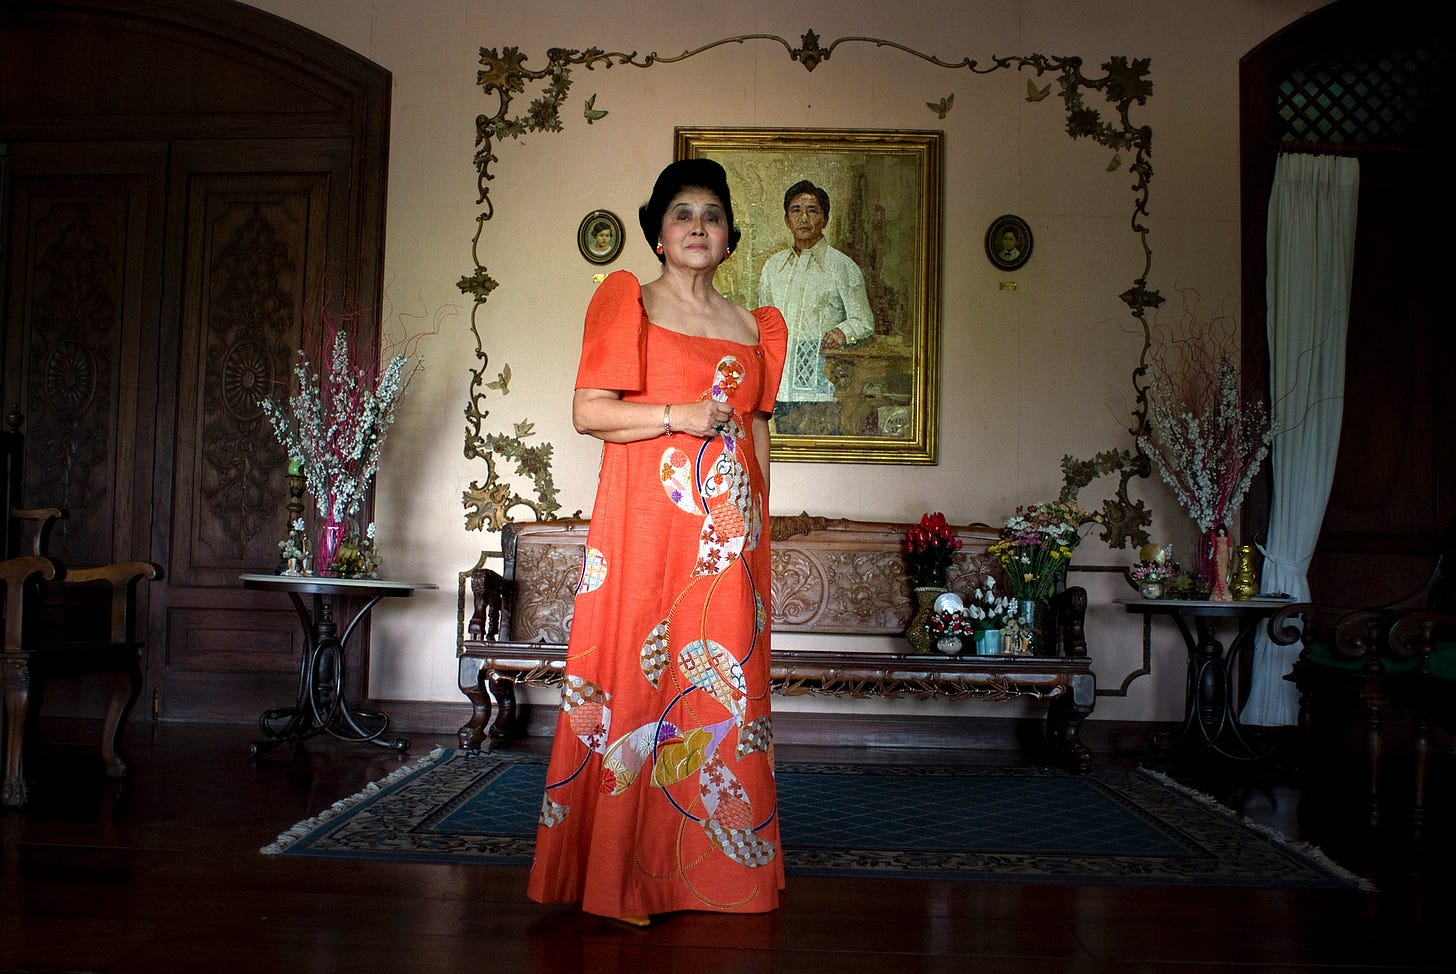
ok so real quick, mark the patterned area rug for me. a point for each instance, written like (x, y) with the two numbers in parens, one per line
(977, 823)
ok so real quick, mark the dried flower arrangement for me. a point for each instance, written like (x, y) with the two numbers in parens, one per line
(334, 424)
(1204, 438)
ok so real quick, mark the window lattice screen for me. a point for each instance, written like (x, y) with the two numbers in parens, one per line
(1394, 96)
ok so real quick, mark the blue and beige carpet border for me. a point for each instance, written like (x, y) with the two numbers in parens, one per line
(992, 824)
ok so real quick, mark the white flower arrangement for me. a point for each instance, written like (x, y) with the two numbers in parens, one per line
(334, 426)
(989, 610)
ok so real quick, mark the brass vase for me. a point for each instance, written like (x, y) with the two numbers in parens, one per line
(1245, 585)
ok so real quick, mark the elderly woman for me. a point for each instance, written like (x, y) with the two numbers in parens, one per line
(660, 792)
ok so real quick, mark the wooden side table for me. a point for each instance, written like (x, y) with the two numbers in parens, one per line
(1210, 710)
(321, 706)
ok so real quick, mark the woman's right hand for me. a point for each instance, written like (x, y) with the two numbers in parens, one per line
(705, 418)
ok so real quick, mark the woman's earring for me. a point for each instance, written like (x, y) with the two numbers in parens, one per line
(659, 246)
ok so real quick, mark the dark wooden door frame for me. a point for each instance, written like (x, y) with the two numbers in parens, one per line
(149, 70)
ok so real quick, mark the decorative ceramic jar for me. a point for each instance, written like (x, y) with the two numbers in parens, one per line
(1151, 590)
(949, 645)
(916, 633)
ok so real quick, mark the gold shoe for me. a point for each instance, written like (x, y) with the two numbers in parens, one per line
(635, 920)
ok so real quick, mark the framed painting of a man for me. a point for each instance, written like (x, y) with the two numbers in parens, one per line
(841, 232)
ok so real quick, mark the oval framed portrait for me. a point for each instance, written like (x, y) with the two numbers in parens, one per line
(599, 238)
(1008, 242)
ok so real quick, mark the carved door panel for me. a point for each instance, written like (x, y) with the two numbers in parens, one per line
(258, 251)
(84, 277)
(82, 282)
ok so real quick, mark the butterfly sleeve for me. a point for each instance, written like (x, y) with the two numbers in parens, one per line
(614, 342)
(773, 339)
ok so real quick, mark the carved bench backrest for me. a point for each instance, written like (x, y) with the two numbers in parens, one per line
(829, 575)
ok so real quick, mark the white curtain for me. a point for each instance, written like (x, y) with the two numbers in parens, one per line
(1311, 250)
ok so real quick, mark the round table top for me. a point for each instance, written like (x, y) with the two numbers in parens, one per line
(327, 585)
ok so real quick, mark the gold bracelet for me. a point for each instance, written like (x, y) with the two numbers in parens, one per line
(667, 420)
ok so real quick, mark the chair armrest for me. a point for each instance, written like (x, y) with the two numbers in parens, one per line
(44, 519)
(122, 578)
(1351, 633)
(1413, 633)
(1069, 612)
(16, 574)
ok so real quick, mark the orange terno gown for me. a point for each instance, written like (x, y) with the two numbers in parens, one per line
(660, 792)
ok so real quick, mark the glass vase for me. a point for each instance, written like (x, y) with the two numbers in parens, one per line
(1031, 623)
(330, 536)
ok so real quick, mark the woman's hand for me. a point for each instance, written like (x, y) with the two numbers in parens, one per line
(705, 418)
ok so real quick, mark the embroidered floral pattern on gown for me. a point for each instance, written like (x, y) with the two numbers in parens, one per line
(660, 792)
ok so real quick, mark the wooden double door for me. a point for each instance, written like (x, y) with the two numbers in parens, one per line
(158, 281)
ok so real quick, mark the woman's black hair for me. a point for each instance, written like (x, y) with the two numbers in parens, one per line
(684, 174)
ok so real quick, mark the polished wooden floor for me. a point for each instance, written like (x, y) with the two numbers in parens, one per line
(163, 874)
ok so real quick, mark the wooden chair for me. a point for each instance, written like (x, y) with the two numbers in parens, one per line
(1350, 668)
(20, 522)
(18, 576)
(1429, 636)
(61, 620)
(1340, 673)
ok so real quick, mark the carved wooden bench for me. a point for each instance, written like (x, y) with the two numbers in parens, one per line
(836, 577)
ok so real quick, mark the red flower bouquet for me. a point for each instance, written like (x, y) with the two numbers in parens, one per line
(929, 548)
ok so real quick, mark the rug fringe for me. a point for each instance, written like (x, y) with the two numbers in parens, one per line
(302, 829)
(1306, 849)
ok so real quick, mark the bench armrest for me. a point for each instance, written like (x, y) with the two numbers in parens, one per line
(492, 595)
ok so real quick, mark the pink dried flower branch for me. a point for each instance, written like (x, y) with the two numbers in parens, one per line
(334, 424)
(1204, 438)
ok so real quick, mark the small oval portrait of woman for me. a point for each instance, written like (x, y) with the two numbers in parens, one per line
(600, 237)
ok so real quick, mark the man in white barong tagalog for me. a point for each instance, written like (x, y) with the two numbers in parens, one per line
(821, 293)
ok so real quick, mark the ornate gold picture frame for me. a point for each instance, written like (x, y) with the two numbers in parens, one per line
(878, 401)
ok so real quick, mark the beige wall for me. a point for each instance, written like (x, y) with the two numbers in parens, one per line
(1027, 375)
